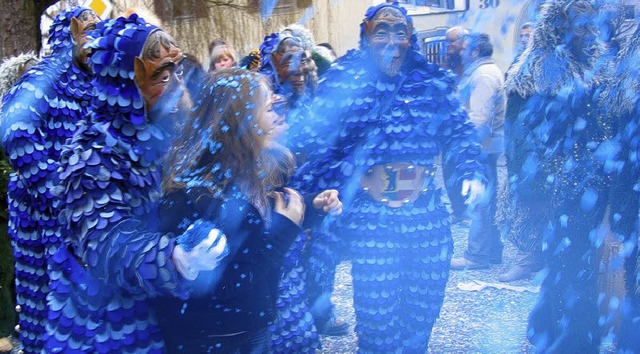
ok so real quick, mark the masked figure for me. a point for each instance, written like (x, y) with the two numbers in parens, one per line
(558, 188)
(39, 113)
(287, 63)
(620, 100)
(108, 187)
(383, 115)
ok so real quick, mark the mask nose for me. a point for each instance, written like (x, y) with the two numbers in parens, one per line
(296, 63)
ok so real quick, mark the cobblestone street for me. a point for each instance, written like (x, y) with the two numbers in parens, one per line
(485, 321)
(488, 321)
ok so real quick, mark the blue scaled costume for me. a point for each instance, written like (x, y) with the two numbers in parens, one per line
(109, 185)
(42, 110)
(377, 139)
(294, 329)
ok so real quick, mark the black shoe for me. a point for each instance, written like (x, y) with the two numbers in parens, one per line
(461, 263)
(517, 272)
(335, 328)
(462, 220)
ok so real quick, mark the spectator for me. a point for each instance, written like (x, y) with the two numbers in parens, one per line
(453, 62)
(237, 187)
(481, 89)
(222, 56)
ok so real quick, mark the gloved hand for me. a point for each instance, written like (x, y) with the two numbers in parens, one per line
(200, 248)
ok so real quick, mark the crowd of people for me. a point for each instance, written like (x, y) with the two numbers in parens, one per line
(156, 205)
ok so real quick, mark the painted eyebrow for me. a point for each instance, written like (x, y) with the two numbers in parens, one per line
(384, 26)
(164, 66)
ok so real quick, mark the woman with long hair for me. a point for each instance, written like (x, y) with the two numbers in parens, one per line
(223, 169)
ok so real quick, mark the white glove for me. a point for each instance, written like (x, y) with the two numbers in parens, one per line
(204, 256)
(474, 191)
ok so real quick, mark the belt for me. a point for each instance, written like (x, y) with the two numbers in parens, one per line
(396, 183)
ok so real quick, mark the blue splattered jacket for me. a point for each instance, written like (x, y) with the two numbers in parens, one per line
(240, 294)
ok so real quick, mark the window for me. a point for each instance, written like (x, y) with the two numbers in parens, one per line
(420, 7)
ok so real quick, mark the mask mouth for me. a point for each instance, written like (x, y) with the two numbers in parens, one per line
(297, 80)
(591, 50)
(390, 60)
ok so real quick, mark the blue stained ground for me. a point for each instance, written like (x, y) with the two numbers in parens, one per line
(489, 321)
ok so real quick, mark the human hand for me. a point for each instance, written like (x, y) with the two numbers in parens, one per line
(329, 202)
(473, 190)
(293, 209)
(206, 255)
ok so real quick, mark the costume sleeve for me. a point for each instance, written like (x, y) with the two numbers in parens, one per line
(25, 109)
(514, 133)
(624, 193)
(108, 210)
(279, 238)
(312, 216)
(135, 260)
(624, 202)
(246, 232)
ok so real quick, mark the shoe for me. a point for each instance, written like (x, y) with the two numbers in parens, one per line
(463, 221)
(463, 263)
(334, 328)
(516, 272)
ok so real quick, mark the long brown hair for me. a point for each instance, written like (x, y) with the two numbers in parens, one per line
(220, 144)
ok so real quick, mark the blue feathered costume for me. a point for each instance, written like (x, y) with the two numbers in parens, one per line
(109, 184)
(558, 187)
(369, 125)
(40, 112)
(620, 99)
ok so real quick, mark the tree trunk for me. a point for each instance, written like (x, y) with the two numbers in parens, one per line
(20, 25)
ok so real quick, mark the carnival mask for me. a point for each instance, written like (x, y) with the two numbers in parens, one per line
(582, 33)
(80, 26)
(388, 34)
(291, 63)
(153, 77)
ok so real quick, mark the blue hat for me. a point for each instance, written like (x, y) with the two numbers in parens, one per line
(371, 12)
(114, 47)
(116, 43)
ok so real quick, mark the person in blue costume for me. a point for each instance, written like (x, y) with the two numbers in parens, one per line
(113, 258)
(558, 186)
(383, 115)
(227, 168)
(42, 110)
(287, 60)
(11, 70)
(619, 99)
(286, 63)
